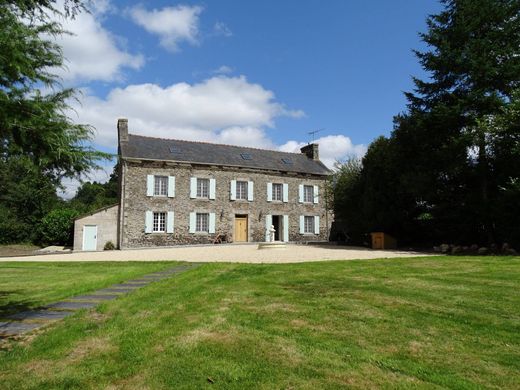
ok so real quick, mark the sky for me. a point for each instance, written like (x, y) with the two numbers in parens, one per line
(255, 73)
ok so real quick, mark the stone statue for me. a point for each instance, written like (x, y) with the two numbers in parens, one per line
(272, 230)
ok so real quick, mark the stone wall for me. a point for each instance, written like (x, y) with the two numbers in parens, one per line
(135, 203)
(106, 221)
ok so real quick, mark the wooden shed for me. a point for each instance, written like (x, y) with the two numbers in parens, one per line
(382, 240)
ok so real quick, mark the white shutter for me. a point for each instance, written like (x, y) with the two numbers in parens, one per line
(212, 188)
(315, 193)
(171, 186)
(316, 224)
(193, 187)
(148, 222)
(302, 224)
(169, 222)
(285, 192)
(250, 191)
(193, 222)
(268, 223)
(211, 223)
(269, 192)
(300, 193)
(233, 190)
(286, 228)
(149, 185)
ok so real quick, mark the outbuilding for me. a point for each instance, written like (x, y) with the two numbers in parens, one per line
(92, 231)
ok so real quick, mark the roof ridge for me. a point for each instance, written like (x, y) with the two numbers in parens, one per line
(213, 143)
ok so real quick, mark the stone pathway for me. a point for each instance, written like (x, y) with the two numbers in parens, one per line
(27, 321)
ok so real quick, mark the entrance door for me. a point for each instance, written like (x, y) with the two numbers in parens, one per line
(89, 237)
(277, 223)
(240, 228)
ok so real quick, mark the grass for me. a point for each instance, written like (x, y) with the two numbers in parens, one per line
(29, 285)
(424, 322)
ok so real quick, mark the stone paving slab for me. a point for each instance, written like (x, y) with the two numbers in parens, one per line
(72, 305)
(94, 297)
(62, 309)
(17, 328)
(34, 315)
(116, 290)
(129, 285)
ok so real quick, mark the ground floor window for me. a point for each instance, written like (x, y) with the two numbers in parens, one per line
(159, 222)
(202, 222)
(308, 225)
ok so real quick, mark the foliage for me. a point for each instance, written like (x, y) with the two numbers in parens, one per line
(39, 143)
(109, 246)
(93, 196)
(57, 226)
(33, 107)
(26, 196)
(447, 171)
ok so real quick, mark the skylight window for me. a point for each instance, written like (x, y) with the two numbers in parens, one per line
(287, 161)
(175, 149)
(246, 156)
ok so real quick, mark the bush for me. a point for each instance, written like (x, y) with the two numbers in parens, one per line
(57, 227)
(109, 246)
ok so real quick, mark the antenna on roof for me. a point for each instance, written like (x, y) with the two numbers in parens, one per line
(314, 132)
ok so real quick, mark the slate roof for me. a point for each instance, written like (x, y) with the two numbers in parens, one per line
(149, 148)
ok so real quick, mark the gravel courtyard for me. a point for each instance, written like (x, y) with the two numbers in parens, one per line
(236, 253)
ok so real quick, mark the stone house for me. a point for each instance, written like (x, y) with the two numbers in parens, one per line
(182, 192)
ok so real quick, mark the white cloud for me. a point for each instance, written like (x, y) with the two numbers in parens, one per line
(219, 109)
(221, 29)
(224, 69)
(91, 51)
(172, 24)
(332, 148)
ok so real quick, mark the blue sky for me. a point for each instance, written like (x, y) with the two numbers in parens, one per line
(255, 73)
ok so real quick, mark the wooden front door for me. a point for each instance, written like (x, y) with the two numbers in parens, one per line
(241, 228)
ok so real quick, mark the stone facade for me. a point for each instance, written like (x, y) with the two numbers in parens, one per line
(106, 221)
(135, 203)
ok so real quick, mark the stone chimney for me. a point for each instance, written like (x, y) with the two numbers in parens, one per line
(311, 151)
(122, 129)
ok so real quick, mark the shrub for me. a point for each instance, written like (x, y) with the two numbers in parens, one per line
(57, 226)
(109, 246)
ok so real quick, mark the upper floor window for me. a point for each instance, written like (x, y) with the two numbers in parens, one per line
(277, 194)
(160, 187)
(241, 190)
(159, 222)
(202, 188)
(308, 194)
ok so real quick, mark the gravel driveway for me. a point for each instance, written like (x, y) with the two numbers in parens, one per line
(237, 253)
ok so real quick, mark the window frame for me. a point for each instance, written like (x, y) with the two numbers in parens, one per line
(158, 221)
(203, 185)
(201, 222)
(274, 190)
(308, 193)
(308, 221)
(242, 192)
(158, 188)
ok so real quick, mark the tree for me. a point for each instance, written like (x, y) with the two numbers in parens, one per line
(26, 196)
(33, 106)
(474, 63)
(451, 167)
(93, 196)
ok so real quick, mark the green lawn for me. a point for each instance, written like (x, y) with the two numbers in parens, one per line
(29, 285)
(423, 322)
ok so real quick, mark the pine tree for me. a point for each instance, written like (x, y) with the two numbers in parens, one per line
(33, 106)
